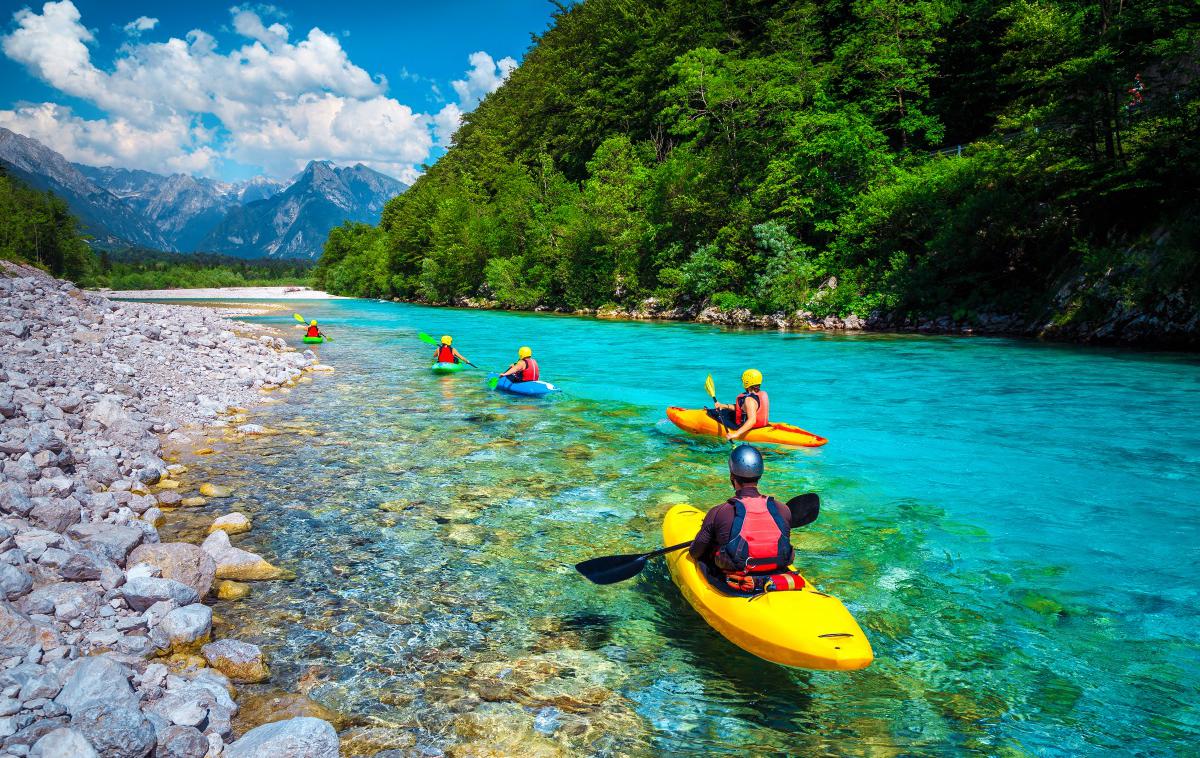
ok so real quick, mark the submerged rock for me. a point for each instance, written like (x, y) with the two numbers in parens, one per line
(235, 563)
(214, 490)
(302, 737)
(227, 589)
(231, 523)
(240, 661)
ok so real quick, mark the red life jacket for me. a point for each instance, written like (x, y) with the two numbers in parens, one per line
(530, 372)
(759, 541)
(445, 354)
(313, 332)
(764, 407)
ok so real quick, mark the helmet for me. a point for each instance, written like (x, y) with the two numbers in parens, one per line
(745, 462)
(524, 353)
(751, 377)
(313, 322)
(446, 339)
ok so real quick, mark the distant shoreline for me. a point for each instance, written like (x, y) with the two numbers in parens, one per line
(235, 293)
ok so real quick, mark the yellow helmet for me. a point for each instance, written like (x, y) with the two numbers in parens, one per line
(446, 339)
(313, 322)
(524, 353)
(751, 377)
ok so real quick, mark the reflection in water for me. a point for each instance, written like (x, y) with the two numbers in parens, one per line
(433, 524)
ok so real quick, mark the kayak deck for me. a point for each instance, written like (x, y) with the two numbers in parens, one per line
(697, 421)
(801, 628)
(447, 368)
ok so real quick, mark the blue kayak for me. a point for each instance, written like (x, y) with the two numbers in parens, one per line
(531, 389)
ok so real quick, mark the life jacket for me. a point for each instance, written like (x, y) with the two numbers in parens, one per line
(764, 407)
(530, 372)
(445, 354)
(759, 539)
(313, 332)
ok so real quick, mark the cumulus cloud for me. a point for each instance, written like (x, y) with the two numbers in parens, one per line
(279, 99)
(140, 24)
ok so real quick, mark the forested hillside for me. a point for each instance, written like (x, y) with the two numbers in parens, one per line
(37, 227)
(974, 161)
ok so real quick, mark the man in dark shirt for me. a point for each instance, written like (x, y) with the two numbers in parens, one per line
(745, 469)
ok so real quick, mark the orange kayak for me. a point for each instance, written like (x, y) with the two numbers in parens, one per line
(697, 421)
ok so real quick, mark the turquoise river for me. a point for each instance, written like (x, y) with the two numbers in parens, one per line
(1016, 526)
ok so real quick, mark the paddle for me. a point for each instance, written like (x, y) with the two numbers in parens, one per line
(300, 318)
(610, 569)
(712, 392)
(427, 339)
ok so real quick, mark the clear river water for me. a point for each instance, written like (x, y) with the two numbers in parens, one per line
(1016, 526)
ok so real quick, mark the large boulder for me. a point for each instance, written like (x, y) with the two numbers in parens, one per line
(96, 681)
(179, 561)
(235, 563)
(113, 541)
(144, 591)
(14, 500)
(184, 628)
(18, 633)
(241, 661)
(302, 737)
(117, 731)
(230, 523)
(181, 742)
(63, 743)
(13, 582)
(54, 514)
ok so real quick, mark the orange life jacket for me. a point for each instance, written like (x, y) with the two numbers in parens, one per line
(445, 354)
(764, 406)
(313, 332)
(759, 541)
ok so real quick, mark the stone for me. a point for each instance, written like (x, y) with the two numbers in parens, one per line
(115, 730)
(181, 742)
(235, 563)
(169, 499)
(84, 566)
(63, 743)
(193, 502)
(241, 661)
(302, 737)
(18, 632)
(213, 490)
(46, 685)
(227, 589)
(14, 500)
(95, 681)
(230, 523)
(108, 412)
(184, 628)
(179, 561)
(54, 514)
(375, 740)
(142, 592)
(13, 582)
(113, 541)
(103, 468)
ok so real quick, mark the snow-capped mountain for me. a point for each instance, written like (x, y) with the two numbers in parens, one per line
(259, 217)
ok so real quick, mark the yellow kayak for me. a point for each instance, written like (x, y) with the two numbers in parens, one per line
(802, 628)
(697, 421)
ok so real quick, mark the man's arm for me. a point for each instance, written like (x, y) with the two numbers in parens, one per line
(462, 357)
(704, 538)
(518, 366)
(751, 417)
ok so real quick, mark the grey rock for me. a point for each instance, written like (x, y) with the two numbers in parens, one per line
(169, 498)
(113, 541)
(181, 742)
(9, 706)
(303, 737)
(142, 592)
(54, 514)
(13, 582)
(18, 632)
(103, 468)
(63, 743)
(108, 412)
(30, 730)
(45, 685)
(83, 566)
(183, 627)
(116, 731)
(94, 681)
(65, 600)
(180, 561)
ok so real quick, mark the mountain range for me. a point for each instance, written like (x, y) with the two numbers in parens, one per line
(257, 218)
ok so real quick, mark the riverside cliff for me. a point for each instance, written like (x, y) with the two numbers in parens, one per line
(105, 638)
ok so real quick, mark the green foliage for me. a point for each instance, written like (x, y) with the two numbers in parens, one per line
(36, 227)
(136, 269)
(742, 153)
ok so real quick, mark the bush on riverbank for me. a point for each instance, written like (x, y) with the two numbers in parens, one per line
(742, 155)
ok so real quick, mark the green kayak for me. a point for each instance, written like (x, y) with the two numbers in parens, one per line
(447, 368)
(313, 340)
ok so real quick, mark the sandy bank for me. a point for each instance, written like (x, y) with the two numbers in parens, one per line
(235, 293)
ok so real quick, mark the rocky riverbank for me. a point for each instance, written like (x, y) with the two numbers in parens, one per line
(105, 635)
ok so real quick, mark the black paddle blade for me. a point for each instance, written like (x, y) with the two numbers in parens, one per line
(611, 569)
(805, 509)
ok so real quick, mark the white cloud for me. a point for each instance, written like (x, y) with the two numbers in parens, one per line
(140, 24)
(278, 102)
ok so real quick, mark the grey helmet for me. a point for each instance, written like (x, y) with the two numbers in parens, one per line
(745, 462)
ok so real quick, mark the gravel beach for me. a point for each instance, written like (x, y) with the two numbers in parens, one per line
(105, 636)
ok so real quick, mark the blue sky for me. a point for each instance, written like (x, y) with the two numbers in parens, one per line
(231, 90)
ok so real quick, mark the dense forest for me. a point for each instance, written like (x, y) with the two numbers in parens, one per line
(909, 160)
(38, 228)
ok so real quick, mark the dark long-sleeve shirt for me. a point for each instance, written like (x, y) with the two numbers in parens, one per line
(718, 524)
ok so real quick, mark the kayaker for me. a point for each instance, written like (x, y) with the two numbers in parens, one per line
(447, 354)
(525, 369)
(747, 539)
(313, 331)
(750, 411)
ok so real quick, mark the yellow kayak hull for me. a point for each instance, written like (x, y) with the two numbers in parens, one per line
(697, 421)
(802, 628)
